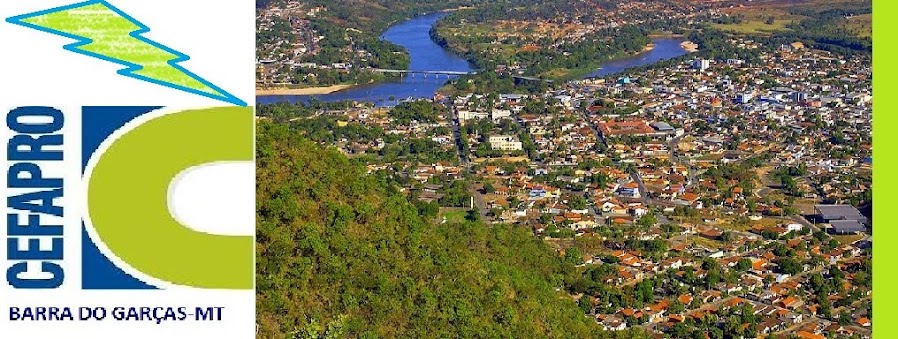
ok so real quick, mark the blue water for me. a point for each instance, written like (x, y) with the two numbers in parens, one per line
(414, 35)
(665, 48)
(426, 55)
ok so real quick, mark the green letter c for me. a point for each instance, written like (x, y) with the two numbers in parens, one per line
(128, 198)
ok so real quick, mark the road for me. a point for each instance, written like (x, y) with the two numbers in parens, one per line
(801, 220)
(671, 146)
(643, 194)
(466, 163)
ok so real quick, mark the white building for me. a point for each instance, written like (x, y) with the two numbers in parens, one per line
(470, 115)
(505, 143)
(499, 114)
(701, 64)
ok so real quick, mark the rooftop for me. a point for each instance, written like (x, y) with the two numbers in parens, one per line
(839, 212)
(662, 126)
(847, 226)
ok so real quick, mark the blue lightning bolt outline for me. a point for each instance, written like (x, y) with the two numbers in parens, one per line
(131, 67)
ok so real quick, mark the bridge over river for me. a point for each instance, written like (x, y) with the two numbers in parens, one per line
(446, 73)
(410, 71)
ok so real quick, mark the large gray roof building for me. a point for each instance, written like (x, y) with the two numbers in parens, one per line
(845, 219)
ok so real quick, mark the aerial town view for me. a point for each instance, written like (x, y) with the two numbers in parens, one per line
(564, 169)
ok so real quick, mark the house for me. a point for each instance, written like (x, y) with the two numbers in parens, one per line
(630, 190)
(790, 302)
(678, 247)
(730, 288)
(638, 212)
(610, 207)
(768, 326)
(691, 199)
(710, 296)
(656, 311)
(809, 335)
(751, 282)
(789, 317)
(712, 233)
(794, 227)
(629, 312)
(671, 264)
(614, 324)
(627, 259)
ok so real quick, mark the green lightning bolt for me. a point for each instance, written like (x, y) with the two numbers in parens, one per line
(107, 33)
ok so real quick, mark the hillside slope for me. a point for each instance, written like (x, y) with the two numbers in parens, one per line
(341, 254)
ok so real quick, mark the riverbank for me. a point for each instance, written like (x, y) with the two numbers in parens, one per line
(412, 34)
(659, 49)
(303, 91)
(689, 46)
(567, 74)
(666, 36)
(449, 10)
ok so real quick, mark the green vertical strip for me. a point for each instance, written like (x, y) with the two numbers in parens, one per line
(885, 140)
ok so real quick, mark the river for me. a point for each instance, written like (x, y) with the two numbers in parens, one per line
(414, 35)
(665, 48)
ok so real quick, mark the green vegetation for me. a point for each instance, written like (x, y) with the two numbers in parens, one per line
(741, 173)
(756, 20)
(420, 111)
(342, 254)
(455, 216)
(826, 28)
(348, 28)
(574, 59)
(714, 44)
(284, 111)
(861, 24)
(786, 177)
(327, 129)
(840, 27)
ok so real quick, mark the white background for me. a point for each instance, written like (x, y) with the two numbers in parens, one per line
(37, 71)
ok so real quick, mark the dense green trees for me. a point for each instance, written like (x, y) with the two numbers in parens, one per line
(789, 265)
(583, 56)
(743, 173)
(342, 254)
(714, 44)
(822, 29)
(420, 111)
(786, 177)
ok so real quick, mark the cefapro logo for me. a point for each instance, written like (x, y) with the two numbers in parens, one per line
(130, 184)
(132, 158)
(129, 177)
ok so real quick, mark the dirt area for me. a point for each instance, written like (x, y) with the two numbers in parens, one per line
(848, 239)
(806, 206)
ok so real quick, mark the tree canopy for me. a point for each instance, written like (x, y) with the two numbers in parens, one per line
(344, 254)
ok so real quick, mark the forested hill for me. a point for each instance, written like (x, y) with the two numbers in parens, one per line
(341, 254)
